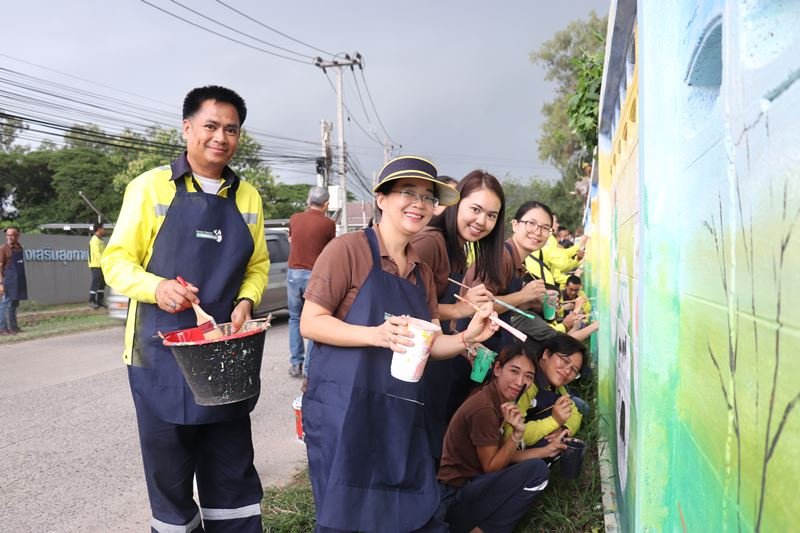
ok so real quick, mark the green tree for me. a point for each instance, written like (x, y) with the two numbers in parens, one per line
(566, 205)
(289, 199)
(563, 58)
(26, 188)
(9, 130)
(89, 171)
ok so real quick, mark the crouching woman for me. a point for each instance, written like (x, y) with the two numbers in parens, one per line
(487, 483)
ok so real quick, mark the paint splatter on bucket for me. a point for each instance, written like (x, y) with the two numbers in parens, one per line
(224, 370)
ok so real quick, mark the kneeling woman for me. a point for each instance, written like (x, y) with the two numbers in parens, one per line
(487, 482)
(548, 406)
(369, 455)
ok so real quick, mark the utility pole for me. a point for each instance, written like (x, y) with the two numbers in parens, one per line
(339, 64)
(324, 162)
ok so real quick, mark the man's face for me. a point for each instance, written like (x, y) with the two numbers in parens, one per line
(12, 236)
(101, 231)
(212, 136)
(571, 291)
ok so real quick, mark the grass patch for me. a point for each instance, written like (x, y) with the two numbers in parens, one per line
(50, 323)
(565, 506)
(289, 509)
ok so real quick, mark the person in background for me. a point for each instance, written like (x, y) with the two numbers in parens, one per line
(97, 289)
(561, 261)
(487, 482)
(572, 294)
(194, 218)
(309, 232)
(13, 284)
(369, 452)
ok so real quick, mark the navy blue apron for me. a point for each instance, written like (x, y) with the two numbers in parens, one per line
(369, 457)
(14, 282)
(205, 240)
(539, 258)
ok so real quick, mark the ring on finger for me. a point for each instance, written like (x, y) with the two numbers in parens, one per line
(173, 305)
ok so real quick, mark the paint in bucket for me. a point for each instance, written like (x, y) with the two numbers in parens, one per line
(297, 405)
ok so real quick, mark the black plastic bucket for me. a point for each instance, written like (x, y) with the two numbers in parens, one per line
(224, 370)
(572, 458)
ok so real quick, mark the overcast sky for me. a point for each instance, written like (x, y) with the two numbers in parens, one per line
(451, 80)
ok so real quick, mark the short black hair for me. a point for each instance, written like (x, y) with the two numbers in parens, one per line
(575, 280)
(195, 98)
(563, 344)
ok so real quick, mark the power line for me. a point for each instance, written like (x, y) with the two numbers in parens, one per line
(375, 109)
(270, 28)
(220, 34)
(199, 14)
(350, 114)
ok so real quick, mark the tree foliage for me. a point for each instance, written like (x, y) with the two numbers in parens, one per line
(564, 58)
(566, 205)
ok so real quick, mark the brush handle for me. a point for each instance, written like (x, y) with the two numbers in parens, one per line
(511, 329)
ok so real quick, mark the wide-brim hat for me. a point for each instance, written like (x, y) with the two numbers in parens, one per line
(409, 166)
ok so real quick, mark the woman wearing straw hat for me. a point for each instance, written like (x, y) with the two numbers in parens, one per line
(369, 455)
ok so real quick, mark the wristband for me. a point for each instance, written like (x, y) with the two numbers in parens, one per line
(240, 300)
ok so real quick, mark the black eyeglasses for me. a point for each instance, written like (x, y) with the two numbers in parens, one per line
(565, 362)
(411, 197)
(534, 227)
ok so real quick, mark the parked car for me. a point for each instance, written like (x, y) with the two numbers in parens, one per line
(274, 297)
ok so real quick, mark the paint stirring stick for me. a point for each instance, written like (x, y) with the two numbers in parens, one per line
(514, 331)
(499, 301)
(521, 392)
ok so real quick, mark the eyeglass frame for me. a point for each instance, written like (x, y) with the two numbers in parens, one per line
(565, 361)
(537, 228)
(414, 196)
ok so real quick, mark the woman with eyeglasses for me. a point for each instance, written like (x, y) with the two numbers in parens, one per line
(488, 482)
(369, 454)
(476, 219)
(547, 405)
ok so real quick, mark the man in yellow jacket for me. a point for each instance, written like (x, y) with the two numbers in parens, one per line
(97, 290)
(194, 218)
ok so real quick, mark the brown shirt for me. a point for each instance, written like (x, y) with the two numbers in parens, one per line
(432, 250)
(478, 422)
(510, 264)
(309, 231)
(343, 266)
(6, 251)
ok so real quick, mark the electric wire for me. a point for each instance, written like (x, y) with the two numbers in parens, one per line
(270, 28)
(375, 109)
(222, 35)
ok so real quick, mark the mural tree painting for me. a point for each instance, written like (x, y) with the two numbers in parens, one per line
(777, 413)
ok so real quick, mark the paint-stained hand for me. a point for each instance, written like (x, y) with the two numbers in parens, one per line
(241, 314)
(393, 334)
(173, 297)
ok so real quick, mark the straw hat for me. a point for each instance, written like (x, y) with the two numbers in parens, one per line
(409, 166)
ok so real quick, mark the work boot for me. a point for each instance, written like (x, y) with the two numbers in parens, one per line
(296, 371)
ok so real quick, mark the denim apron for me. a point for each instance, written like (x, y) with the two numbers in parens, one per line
(369, 457)
(205, 240)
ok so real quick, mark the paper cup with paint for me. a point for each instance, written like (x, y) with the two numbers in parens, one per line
(484, 357)
(549, 305)
(572, 458)
(409, 366)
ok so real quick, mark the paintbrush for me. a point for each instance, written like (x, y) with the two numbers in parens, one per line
(206, 323)
(511, 329)
(521, 392)
(499, 301)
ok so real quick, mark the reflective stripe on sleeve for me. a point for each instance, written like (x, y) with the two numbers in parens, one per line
(230, 514)
(537, 487)
(161, 209)
(250, 218)
(163, 527)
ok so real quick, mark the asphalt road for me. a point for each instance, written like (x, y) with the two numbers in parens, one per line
(69, 449)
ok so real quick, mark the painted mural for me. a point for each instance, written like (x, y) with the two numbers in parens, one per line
(695, 223)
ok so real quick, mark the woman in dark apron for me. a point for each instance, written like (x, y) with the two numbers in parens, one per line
(477, 219)
(369, 454)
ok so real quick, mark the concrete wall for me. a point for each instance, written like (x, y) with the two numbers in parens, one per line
(56, 267)
(694, 220)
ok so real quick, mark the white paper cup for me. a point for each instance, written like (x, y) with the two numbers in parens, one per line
(409, 366)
